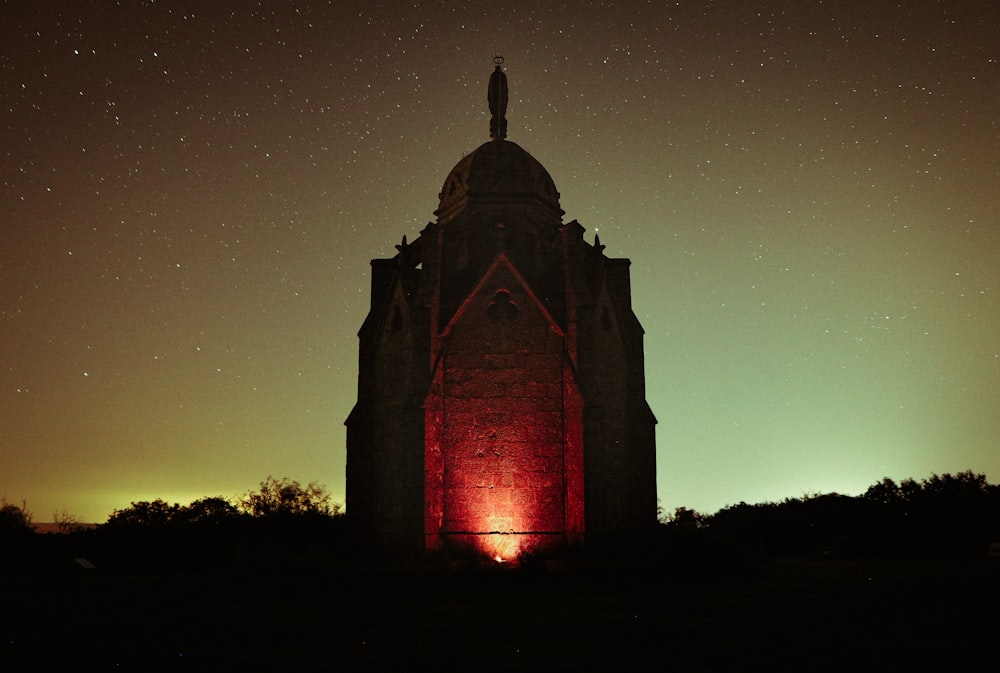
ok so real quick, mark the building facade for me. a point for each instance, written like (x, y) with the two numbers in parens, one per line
(501, 393)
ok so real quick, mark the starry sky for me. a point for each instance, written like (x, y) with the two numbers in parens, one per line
(191, 193)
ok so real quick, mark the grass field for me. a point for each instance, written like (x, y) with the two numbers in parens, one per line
(843, 614)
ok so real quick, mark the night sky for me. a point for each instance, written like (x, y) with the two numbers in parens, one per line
(191, 193)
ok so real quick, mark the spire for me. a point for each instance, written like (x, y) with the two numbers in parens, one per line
(497, 98)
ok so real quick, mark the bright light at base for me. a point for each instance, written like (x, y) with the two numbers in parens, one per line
(501, 547)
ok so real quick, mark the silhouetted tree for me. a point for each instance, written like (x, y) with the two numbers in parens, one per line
(942, 515)
(144, 514)
(66, 523)
(14, 520)
(214, 511)
(955, 513)
(686, 519)
(284, 497)
(17, 537)
(909, 489)
(885, 492)
(964, 486)
(265, 528)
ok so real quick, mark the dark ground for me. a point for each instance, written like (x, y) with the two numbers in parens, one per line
(816, 615)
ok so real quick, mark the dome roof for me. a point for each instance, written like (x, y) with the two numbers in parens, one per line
(498, 171)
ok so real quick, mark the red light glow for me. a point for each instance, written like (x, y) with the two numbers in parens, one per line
(504, 459)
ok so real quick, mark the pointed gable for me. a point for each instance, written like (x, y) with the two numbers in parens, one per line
(506, 284)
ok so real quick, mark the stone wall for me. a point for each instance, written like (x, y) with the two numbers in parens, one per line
(503, 424)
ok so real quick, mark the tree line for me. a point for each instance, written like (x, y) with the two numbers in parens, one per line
(283, 499)
(285, 522)
(263, 527)
(943, 515)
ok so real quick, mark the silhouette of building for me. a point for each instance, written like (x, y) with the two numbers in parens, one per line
(501, 394)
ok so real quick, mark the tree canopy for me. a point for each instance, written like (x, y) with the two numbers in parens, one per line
(275, 498)
(284, 497)
(943, 514)
(14, 519)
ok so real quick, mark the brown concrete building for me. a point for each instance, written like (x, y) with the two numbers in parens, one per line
(501, 394)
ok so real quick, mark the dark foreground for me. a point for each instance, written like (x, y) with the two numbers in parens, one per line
(803, 615)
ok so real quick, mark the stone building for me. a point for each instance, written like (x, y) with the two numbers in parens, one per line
(501, 395)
